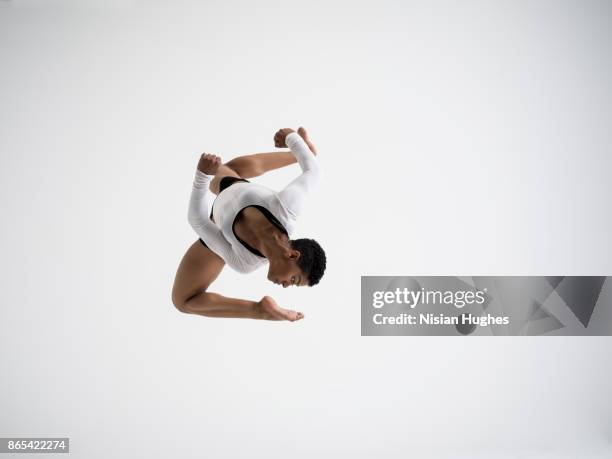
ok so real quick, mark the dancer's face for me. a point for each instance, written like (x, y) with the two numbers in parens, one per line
(285, 271)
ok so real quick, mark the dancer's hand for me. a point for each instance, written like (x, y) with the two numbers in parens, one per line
(304, 135)
(269, 310)
(209, 163)
(279, 137)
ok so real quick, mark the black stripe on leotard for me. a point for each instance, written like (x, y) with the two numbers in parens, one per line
(271, 218)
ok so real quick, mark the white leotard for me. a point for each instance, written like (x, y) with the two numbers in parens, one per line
(285, 206)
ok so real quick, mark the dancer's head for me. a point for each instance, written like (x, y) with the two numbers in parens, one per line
(301, 262)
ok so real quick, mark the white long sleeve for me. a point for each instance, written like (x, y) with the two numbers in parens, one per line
(198, 217)
(294, 195)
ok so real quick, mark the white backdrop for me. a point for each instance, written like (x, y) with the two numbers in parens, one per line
(456, 138)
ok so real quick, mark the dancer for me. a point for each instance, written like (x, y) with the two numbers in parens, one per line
(249, 225)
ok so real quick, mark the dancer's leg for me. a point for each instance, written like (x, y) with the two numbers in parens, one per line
(250, 166)
(223, 171)
(198, 269)
(257, 164)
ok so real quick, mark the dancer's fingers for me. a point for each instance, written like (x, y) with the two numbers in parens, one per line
(209, 163)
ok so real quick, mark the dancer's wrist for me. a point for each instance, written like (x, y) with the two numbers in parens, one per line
(292, 138)
(204, 175)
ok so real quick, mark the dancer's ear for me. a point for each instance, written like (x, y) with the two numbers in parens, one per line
(293, 254)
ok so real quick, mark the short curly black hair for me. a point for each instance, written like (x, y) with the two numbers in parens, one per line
(312, 259)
